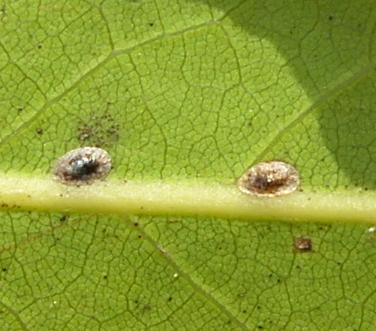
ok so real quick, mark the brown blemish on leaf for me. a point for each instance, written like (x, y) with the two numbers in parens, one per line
(269, 179)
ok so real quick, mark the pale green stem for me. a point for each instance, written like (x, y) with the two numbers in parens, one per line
(184, 199)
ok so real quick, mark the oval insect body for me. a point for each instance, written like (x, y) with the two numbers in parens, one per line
(272, 178)
(303, 244)
(83, 166)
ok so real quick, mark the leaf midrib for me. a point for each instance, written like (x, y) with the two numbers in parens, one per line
(189, 198)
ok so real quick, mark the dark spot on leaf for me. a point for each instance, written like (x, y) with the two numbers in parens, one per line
(331, 18)
(151, 24)
(63, 218)
(4, 269)
(39, 131)
(169, 299)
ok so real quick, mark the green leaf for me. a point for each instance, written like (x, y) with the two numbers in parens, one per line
(187, 94)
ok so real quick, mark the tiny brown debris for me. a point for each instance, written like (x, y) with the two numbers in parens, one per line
(39, 131)
(269, 179)
(303, 244)
(98, 130)
(83, 166)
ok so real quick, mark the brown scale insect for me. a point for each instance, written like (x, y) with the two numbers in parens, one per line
(270, 179)
(83, 166)
(303, 244)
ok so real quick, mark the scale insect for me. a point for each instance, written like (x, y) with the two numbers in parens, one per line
(303, 244)
(270, 179)
(83, 166)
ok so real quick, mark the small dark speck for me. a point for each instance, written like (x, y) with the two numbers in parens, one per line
(151, 24)
(278, 280)
(4, 269)
(260, 327)
(105, 277)
(63, 218)
(40, 46)
(331, 18)
(135, 224)
(139, 237)
(39, 131)
(244, 311)
(20, 109)
(169, 299)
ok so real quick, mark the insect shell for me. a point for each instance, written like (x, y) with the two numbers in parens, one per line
(272, 178)
(83, 166)
(303, 244)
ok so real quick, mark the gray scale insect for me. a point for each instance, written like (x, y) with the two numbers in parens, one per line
(83, 166)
